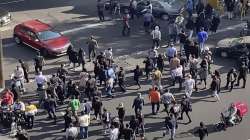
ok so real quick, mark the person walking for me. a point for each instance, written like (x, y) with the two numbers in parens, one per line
(189, 8)
(231, 78)
(25, 67)
(156, 37)
(203, 72)
(138, 103)
(230, 4)
(126, 27)
(172, 31)
(214, 87)
(106, 120)
(121, 79)
(39, 62)
(167, 98)
(71, 132)
(148, 19)
(183, 38)
(177, 74)
(137, 74)
(156, 76)
(114, 133)
(82, 59)
(133, 8)
(100, 10)
(30, 112)
(148, 66)
(50, 105)
(75, 106)
(160, 62)
(171, 52)
(84, 121)
(171, 125)
(186, 107)
(202, 131)
(155, 98)
(97, 107)
(127, 133)
(67, 119)
(242, 75)
(92, 46)
(121, 112)
(202, 37)
(190, 25)
(189, 86)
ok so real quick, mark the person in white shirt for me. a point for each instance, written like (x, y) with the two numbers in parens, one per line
(19, 75)
(167, 98)
(71, 132)
(40, 80)
(84, 122)
(177, 75)
(19, 106)
(114, 133)
(109, 55)
(156, 36)
(189, 85)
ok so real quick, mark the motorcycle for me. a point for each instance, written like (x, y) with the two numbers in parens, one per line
(16, 83)
(242, 110)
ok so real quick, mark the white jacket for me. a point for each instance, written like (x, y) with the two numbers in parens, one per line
(156, 33)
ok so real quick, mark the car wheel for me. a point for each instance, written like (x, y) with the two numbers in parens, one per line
(44, 52)
(17, 40)
(224, 54)
(164, 17)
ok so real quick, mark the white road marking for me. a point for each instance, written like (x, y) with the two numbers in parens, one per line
(89, 26)
(16, 1)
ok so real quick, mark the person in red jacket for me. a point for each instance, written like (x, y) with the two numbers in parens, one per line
(7, 97)
(155, 97)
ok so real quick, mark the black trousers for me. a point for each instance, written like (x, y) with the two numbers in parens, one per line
(126, 30)
(30, 121)
(231, 84)
(244, 80)
(26, 76)
(92, 53)
(187, 113)
(101, 15)
(153, 107)
(156, 42)
(179, 79)
(122, 85)
(38, 68)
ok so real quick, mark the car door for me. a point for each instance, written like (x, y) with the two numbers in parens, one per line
(22, 33)
(33, 40)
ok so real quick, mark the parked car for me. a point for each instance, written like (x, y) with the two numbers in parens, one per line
(124, 4)
(233, 47)
(5, 17)
(163, 9)
(41, 37)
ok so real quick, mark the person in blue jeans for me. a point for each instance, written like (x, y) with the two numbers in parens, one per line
(84, 121)
(202, 37)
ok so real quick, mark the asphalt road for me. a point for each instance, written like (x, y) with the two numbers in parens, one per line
(76, 19)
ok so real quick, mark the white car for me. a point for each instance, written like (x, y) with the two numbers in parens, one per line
(5, 17)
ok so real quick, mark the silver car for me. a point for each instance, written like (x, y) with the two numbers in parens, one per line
(5, 17)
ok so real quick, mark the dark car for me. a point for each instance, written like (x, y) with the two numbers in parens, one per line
(41, 37)
(163, 9)
(233, 47)
(5, 17)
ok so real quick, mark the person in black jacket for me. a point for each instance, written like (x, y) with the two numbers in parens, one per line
(121, 79)
(138, 103)
(215, 87)
(39, 62)
(202, 131)
(81, 59)
(231, 78)
(67, 119)
(134, 124)
(215, 23)
(25, 68)
(121, 112)
(103, 75)
(160, 62)
(242, 75)
(74, 59)
(190, 25)
(183, 37)
(185, 107)
(148, 66)
(137, 74)
(128, 133)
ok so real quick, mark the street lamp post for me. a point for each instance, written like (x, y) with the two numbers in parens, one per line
(1, 64)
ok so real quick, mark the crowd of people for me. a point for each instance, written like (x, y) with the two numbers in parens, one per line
(190, 67)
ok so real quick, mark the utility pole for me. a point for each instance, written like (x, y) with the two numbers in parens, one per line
(1, 64)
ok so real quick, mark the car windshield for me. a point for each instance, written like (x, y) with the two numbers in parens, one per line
(47, 35)
(173, 3)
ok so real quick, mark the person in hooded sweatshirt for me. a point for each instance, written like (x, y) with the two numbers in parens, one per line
(156, 36)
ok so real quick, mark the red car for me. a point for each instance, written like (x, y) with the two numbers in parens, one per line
(41, 37)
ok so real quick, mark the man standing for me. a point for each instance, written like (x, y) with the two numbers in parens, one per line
(202, 37)
(100, 10)
(92, 46)
(25, 68)
(167, 98)
(242, 75)
(231, 78)
(84, 122)
(39, 62)
(138, 103)
(155, 98)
